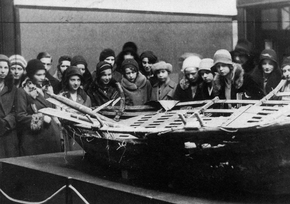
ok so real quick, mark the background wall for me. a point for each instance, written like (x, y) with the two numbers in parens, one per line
(87, 32)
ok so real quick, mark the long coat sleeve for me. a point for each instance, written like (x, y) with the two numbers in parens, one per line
(9, 144)
(47, 139)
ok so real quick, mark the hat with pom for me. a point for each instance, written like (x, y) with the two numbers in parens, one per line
(191, 61)
(161, 65)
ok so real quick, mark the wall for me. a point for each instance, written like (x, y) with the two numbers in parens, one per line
(88, 31)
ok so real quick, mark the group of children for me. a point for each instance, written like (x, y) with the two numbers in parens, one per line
(128, 77)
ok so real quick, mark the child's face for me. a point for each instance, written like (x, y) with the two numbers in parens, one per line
(74, 83)
(162, 75)
(64, 65)
(46, 61)
(191, 74)
(82, 68)
(146, 64)
(206, 76)
(17, 71)
(223, 69)
(286, 72)
(4, 69)
(130, 74)
(39, 76)
(268, 66)
(110, 60)
(106, 76)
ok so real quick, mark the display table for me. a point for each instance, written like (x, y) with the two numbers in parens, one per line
(36, 178)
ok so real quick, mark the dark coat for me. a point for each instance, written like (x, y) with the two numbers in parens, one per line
(184, 91)
(205, 95)
(273, 79)
(139, 92)
(9, 145)
(47, 139)
(54, 83)
(166, 92)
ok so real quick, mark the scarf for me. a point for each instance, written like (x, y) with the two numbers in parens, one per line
(139, 83)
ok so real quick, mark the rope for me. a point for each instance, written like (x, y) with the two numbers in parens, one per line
(27, 202)
(78, 193)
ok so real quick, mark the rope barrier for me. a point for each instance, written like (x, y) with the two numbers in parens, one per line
(47, 199)
(27, 202)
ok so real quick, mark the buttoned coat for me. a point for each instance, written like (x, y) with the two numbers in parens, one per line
(9, 145)
(47, 139)
(165, 92)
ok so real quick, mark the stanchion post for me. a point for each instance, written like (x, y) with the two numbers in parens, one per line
(68, 192)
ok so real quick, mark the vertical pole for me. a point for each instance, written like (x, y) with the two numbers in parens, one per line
(68, 192)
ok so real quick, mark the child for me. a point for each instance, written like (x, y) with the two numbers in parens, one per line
(72, 87)
(164, 89)
(206, 86)
(17, 66)
(286, 75)
(135, 85)
(104, 88)
(148, 59)
(187, 89)
(8, 135)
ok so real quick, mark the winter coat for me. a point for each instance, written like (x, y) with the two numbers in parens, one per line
(165, 92)
(9, 144)
(82, 97)
(33, 142)
(273, 79)
(204, 90)
(187, 92)
(139, 92)
(54, 83)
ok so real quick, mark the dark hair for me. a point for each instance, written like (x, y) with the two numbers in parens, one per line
(43, 55)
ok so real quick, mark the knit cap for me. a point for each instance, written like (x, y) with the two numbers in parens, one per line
(130, 46)
(206, 64)
(127, 63)
(33, 66)
(268, 54)
(5, 59)
(106, 53)
(286, 61)
(150, 55)
(18, 60)
(161, 65)
(78, 60)
(72, 71)
(101, 66)
(191, 61)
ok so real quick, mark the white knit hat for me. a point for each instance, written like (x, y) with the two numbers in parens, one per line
(18, 59)
(191, 61)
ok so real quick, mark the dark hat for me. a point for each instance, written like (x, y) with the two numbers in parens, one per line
(5, 59)
(243, 47)
(78, 59)
(64, 58)
(72, 71)
(127, 63)
(268, 54)
(286, 61)
(150, 55)
(101, 66)
(130, 46)
(33, 66)
(106, 53)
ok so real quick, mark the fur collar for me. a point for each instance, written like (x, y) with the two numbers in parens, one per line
(139, 83)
